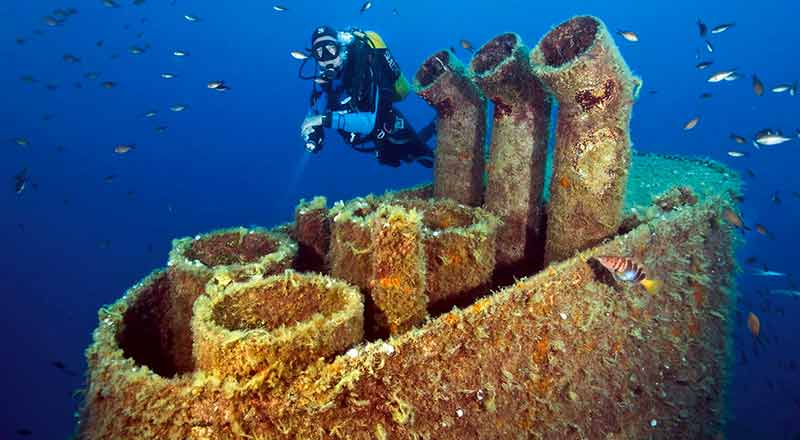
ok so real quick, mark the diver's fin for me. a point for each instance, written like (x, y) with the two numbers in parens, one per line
(427, 163)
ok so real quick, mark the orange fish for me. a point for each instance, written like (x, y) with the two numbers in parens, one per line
(733, 218)
(564, 182)
(628, 270)
(753, 324)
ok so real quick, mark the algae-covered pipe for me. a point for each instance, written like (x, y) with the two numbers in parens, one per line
(399, 267)
(579, 62)
(444, 83)
(518, 145)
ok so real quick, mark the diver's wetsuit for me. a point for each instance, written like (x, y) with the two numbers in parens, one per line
(360, 101)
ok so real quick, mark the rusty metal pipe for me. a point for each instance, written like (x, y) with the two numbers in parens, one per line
(580, 64)
(518, 145)
(445, 84)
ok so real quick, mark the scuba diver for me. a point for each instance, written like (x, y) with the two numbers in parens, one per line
(354, 90)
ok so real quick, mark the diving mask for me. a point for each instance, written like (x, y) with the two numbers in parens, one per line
(325, 50)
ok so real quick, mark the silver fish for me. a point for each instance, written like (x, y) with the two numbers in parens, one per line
(767, 273)
(721, 28)
(298, 55)
(721, 76)
(771, 139)
(628, 35)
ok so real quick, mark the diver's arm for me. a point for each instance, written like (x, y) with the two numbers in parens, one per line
(355, 122)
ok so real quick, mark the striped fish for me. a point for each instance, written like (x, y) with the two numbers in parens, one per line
(626, 269)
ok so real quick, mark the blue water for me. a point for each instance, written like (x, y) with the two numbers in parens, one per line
(76, 242)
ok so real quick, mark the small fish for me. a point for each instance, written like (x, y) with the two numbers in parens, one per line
(786, 292)
(467, 46)
(767, 273)
(20, 41)
(395, 12)
(167, 75)
(758, 86)
(733, 219)
(99, 43)
(761, 229)
(150, 114)
(733, 77)
(124, 148)
(721, 75)
(20, 180)
(709, 47)
(108, 84)
(365, 7)
(178, 108)
(796, 194)
(705, 95)
(691, 123)
(738, 139)
(135, 50)
(751, 260)
(91, 75)
(24, 432)
(298, 55)
(22, 142)
(77, 85)
(703, 64)
(219, 86)
(628, 35)
(51, 21)
(60, 365)
(180, 53)
(734, 153)
(280, 8)
(628, 270)
(721, 28)
(110, 178)
(781, 88)
(775, 198)
(160, 129)
(69, 58)
(28, 79)
(770, 138)
(191, 18)
(753, 324)
(702, 28)
(110, 4)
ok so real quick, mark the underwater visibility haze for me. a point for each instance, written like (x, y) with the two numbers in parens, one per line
(128, 124)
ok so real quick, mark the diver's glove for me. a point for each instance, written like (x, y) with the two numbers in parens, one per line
(309, 123)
